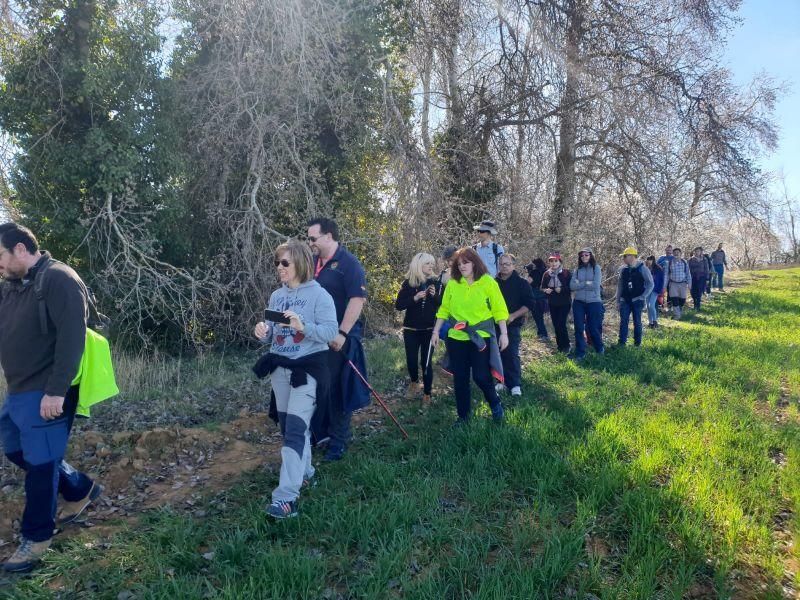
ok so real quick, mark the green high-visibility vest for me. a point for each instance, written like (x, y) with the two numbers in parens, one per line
(95, 378)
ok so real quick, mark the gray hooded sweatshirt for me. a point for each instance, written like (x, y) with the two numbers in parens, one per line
(318, 313)
(585, 291)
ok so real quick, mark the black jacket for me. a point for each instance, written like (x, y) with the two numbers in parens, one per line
(315, 365)
(31, 359)
(422, 314)
(536, 280)
(517, 293)
(564, 297)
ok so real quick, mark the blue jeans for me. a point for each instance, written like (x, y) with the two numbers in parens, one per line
(719, 270)
(626, 309)
(38, 446)
(588, 316)
(652, 308)
(512, 369)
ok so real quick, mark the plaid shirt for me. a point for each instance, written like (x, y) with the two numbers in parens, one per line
(678, 271)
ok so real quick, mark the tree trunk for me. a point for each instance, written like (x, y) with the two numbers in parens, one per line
(426, 102)
(568, 127)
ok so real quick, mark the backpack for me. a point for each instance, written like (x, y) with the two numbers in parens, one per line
(494, 251)
(96, 320)
(636, 285)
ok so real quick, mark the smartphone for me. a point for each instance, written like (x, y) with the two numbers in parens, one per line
(276, 316)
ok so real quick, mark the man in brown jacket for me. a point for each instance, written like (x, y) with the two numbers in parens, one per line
(43, 312)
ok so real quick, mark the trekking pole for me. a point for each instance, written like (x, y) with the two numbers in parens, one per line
(430, 353)
(378, 398)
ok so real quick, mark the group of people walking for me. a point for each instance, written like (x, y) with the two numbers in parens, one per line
(476, 303)
(479, 302)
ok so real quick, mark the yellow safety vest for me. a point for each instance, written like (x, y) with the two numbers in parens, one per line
(95, 378)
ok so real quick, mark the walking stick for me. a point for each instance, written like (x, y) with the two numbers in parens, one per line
(430, 353)
(378, 398)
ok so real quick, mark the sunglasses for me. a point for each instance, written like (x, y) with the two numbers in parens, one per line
(283, 263)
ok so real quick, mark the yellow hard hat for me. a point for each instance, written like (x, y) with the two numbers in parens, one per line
(629, 250)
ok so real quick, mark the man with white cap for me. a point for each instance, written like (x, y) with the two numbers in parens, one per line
(489, 250)
(633, 288)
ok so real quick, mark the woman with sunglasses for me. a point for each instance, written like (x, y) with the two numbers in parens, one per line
(473, 304)
(298, 363)
(587, 305)
(420, 296)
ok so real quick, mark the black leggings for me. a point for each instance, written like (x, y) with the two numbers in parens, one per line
(559, 316)
(465, 358)
(417, 343)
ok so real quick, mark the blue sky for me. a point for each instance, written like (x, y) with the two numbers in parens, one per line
(769, 40)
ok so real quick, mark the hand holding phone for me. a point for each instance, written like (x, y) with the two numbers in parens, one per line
(276, 316)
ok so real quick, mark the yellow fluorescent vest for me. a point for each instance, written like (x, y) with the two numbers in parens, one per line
(472, 303)
(95, 378)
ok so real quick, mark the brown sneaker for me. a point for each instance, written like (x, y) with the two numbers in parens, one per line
(412, 391)
(27, 556)
(426, 398)
(72, 510)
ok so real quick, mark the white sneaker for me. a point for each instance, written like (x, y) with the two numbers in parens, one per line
(499, 388)
(516, 391)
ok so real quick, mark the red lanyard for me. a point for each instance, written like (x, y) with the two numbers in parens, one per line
(320, 265)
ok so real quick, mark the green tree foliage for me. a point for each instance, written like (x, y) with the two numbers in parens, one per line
(88, 107)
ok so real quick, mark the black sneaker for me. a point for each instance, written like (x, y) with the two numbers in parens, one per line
(282, 510)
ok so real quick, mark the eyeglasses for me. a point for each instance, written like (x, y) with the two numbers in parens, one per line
(283, 263)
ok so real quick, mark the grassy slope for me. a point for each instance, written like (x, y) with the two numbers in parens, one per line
(647, 473)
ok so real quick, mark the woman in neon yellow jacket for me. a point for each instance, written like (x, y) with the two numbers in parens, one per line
(472, 305)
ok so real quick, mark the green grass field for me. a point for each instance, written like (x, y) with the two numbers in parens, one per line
(667, 471)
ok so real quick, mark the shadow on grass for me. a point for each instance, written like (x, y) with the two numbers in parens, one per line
(558, 502)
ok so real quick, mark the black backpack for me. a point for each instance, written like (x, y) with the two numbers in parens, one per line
(627, 276)
(95, 320)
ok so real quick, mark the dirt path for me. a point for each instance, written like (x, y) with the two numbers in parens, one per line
(177, 467)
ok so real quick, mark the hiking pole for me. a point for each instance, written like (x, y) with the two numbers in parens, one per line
(430, 353)
(378, 398)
